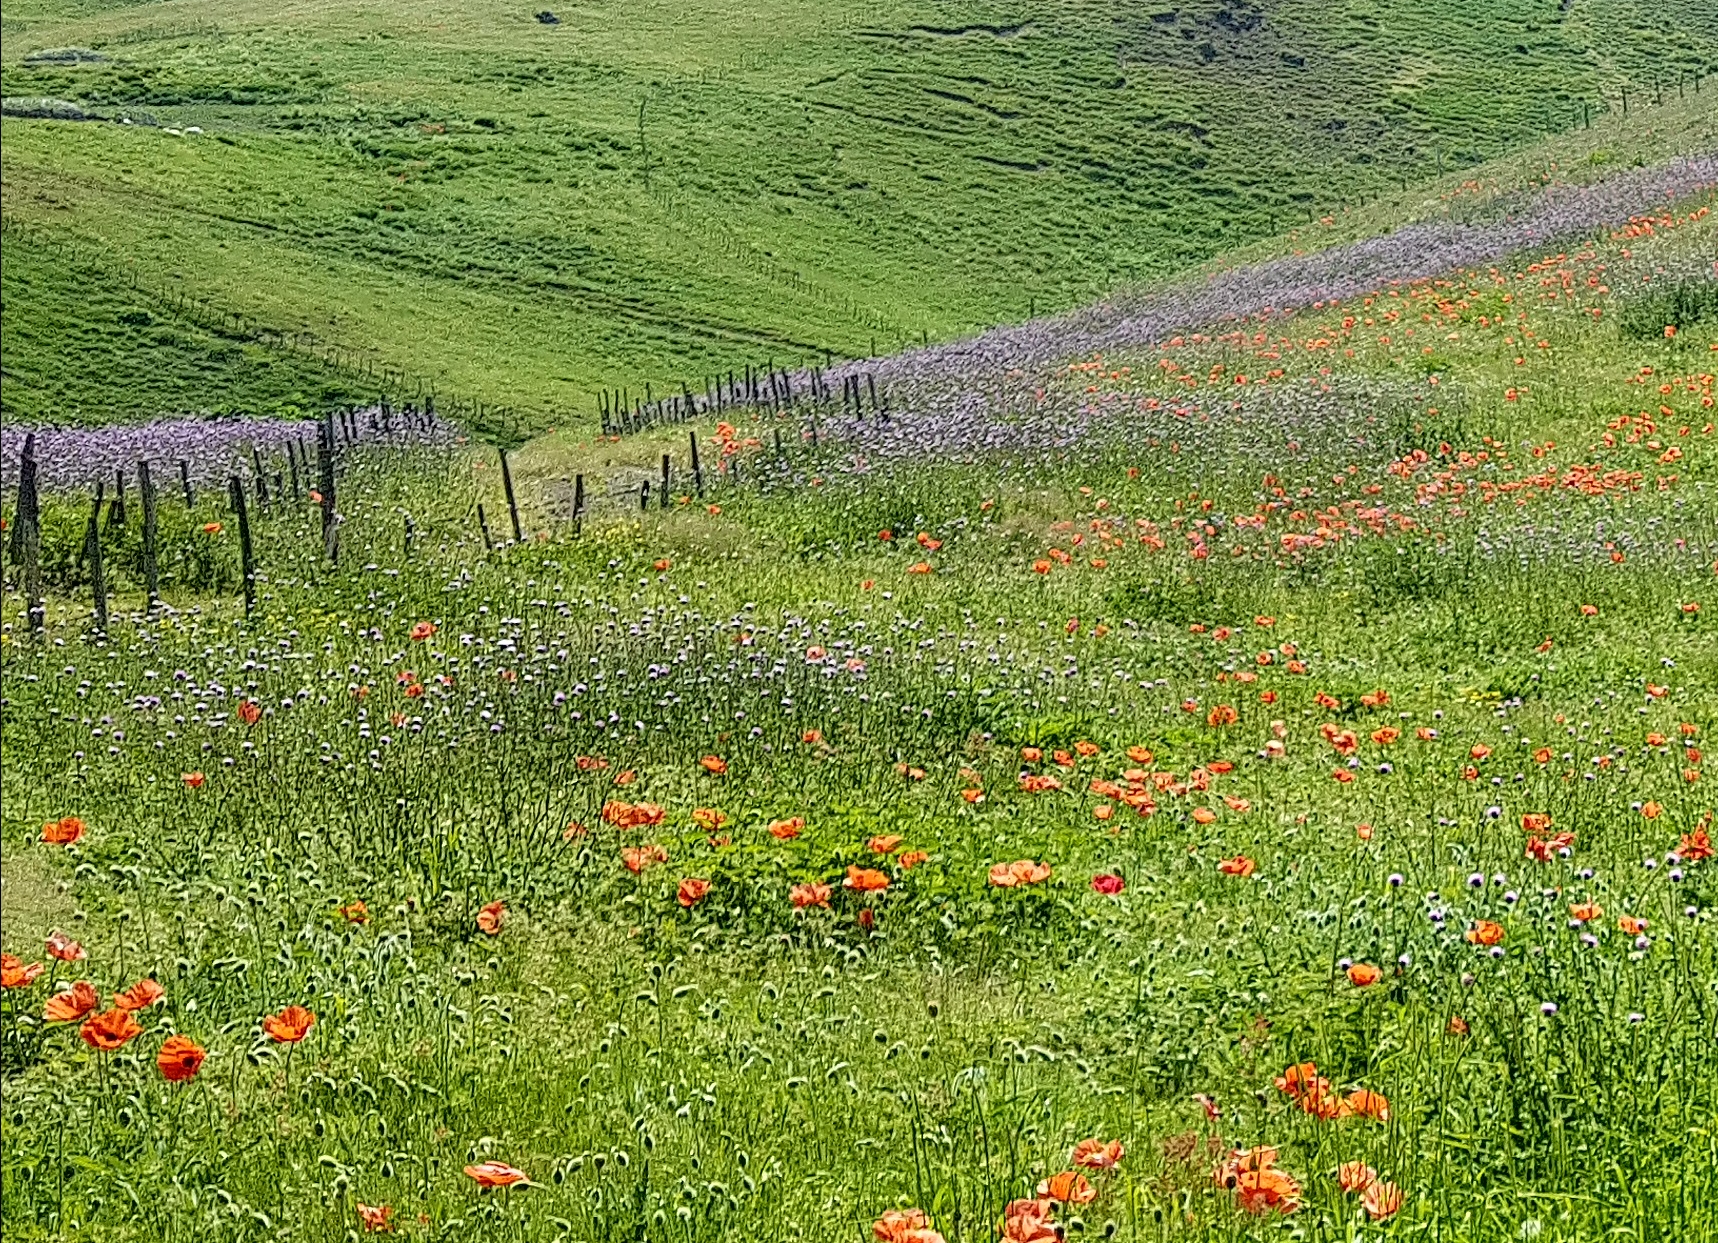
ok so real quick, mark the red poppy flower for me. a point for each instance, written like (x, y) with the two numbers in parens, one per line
(140, 996)
(63, 832)
(110, 1030)
(495, 1174)
(180, 1059)
(15, 973)
(289, 1026)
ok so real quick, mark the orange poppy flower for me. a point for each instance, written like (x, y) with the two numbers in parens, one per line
(910, 859)
(1355, 1176)
(1381, 1200)
(708, 818)
(1695, 846)
(1651, 809)
(61, 946)
(63, 832)
(714, 764)
(1484, 932)
(633, 815)
(787, 830)
(1457, 1026)
(421, 631)
(289, 1026)
(1629, 924)
(637, 858)
(375, 1218)
(1240, 865)
(1097, 1154)
(813, 894)
(1364, 975)
(1020, 872)
(212, 528)
(495, 1174)
(491, 917)
(1204, 815)
(1222, 714)
(14, 973)
(884, 843)
(865, 880)
(180, 1059)
(1068, 1187)
(1585, 911)
(1038, 783)
(1363, 832)
(691, 891)
(904, 1226)
(72, 1004)
(1535, 822)
(1087, 749)
(973, 795)
(109, 1031)
(354, 912)
(1028, 1221)
(919, 567)
(140, 996)
(1369, 1104)
(662, 563)
(250, 712)
(1258, 1185)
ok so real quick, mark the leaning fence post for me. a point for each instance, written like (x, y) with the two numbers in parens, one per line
(116, 510)
(697, 468)
(29, 520)
(92, 549)
(664, 488)
(247, 560)
(261, 479)
(151, 566)
(512, 505)
(325, 468)
(185, 484)
(483, 525)
(578, 502)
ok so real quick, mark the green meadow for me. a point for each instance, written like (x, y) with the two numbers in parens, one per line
(524, 214)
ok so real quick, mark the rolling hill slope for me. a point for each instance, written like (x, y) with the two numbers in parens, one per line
(526, 212)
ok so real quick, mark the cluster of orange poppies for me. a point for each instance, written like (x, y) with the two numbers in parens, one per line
(108, 1031)
(1315, 1095)
(1031, 1219)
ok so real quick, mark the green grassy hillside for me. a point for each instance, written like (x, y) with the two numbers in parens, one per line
(526, 212)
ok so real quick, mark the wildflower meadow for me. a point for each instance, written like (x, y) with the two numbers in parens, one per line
(1222, 764)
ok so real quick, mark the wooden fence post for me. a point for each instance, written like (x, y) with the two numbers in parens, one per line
(512, 505)
(185, 484)
(261, 480)
(29, 520)
(664, 489)
(697, 467)
(325, 468)
(151, 566)
(92, 549)
(483, 525)
(578, 503)
(116, 510)
(247, 558)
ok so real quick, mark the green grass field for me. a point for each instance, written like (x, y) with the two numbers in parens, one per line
(525, 214)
